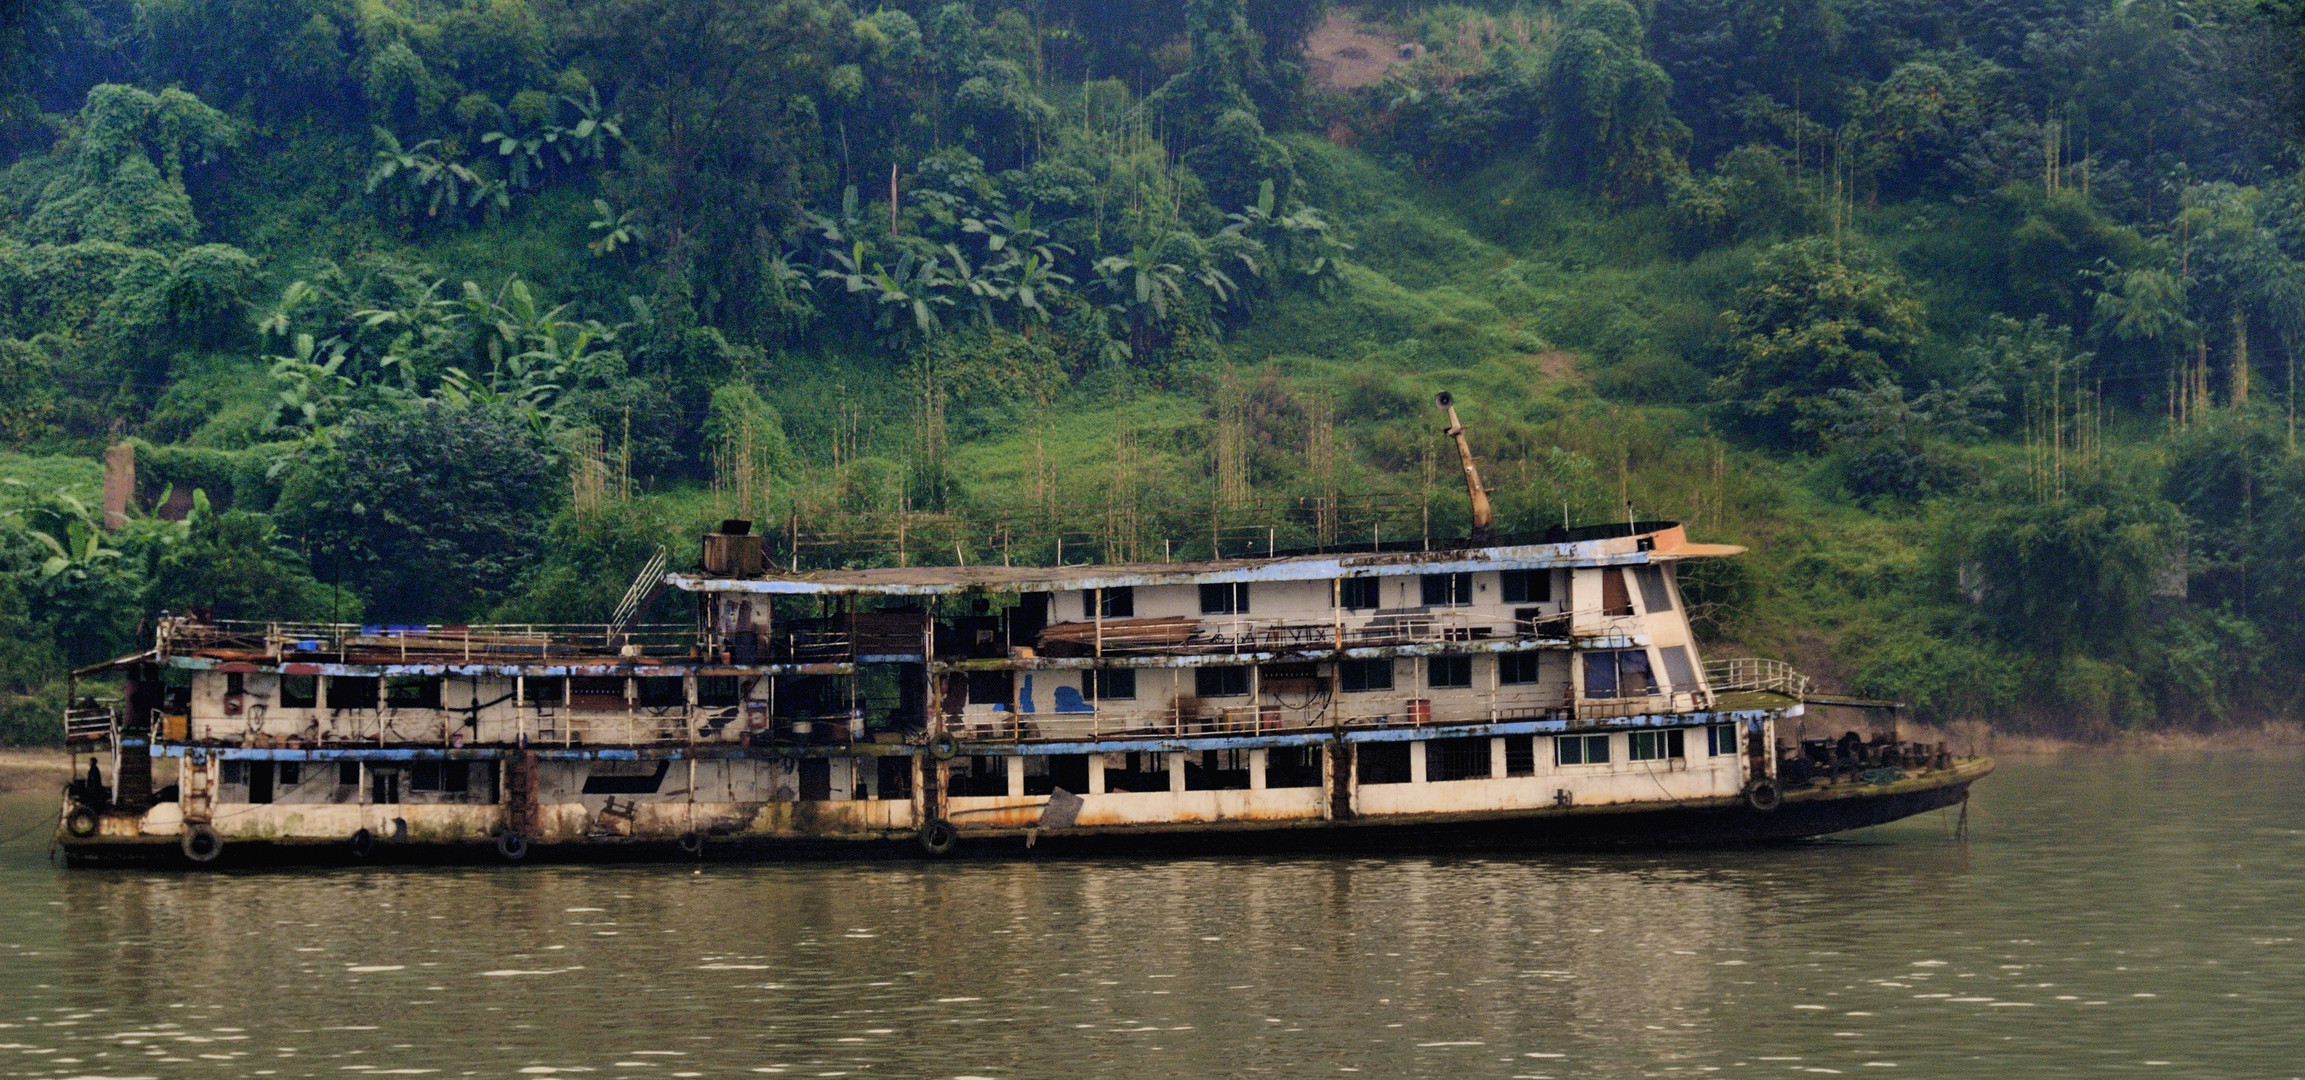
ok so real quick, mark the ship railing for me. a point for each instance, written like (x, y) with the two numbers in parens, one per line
(1243, 635)
(1620, 707)
(88, 725)
(424, 643)
(1756, 675)
(1425, 712)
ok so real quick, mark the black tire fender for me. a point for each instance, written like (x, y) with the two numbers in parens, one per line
(692, 843)
(511, 846)
(938, 837)
(942, 746)
(361, 843)
(81, 823)
(201, 844)
(1761, 794)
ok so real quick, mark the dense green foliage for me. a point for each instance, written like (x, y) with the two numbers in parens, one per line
(1976, 318)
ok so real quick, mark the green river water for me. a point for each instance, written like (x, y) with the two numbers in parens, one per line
(2107, 915)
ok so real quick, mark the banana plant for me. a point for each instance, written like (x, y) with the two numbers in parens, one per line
(313, 390)
(616, 229)
(596, 132)
(71, 532)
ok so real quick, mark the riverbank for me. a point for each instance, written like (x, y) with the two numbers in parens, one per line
(1979, 737)
(23, 768)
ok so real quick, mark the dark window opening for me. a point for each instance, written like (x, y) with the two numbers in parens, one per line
(537, 691)
(291, 773)
(718, 691)
(299, 691)
(1517, 668)
(1383, 762)
(1227, 598)
(815, 779)
(1520, 755)
(1581, 750)
(235, 683)
(1217, 770)
(412, 692)
(351, 692)
(662, 692)
(1221, 681)
(1362, 676)
(895, 778)
(1359, 594)
(1447, 590)
(232, 772)
(383, 786)
(1443, 672)
(260, 774)
(988, 688)
(1137, 772)
(980, 775)
(348, 774)
(1067, 771)
(1112, 684)
(597, 783)
(1119, 602)
(1721, 740)
(449, 777)
(1679, 672)
(1526, 586)
(1457, 759)
(1293, 766)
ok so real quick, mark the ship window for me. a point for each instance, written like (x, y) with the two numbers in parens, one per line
(232, 772)
(424, 776)
(291, 773)
(1520, 755)
(895, 778)
(384, 786)
(1117, 684)
(1358, 594)
(1293, 767)
(347, 774)
(1447, 590)
(412, 692)
(718, 691)
(1119, 602)
(1217, 770)
(235, 683)
(600, 692)
(1618, 673)
(1654, 745)
(1526, 586)
(1614, 599)
(1362, 676)
(1443, 672)
(1384, 762)
(1067, 771)
(1721, 740)
(1221, 681)
(1517, 668)
(1457, 759)
(1581, 750)
(662, 692)
(1681, 674)
(351, 692)
(299, 691)
(1655, 597)
(1225, 598)
(544, 691)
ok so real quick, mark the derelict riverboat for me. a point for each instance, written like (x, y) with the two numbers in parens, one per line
(1524, 692)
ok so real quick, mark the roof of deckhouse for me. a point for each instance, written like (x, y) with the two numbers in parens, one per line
(1665, 542)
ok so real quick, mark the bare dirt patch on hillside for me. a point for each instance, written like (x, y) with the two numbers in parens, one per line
(1344, 54)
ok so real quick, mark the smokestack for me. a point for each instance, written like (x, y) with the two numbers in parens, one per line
(1483, 519)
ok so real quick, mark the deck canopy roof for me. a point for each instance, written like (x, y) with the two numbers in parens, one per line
(1657, 542)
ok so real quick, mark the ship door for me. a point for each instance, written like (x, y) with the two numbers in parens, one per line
(260, 781)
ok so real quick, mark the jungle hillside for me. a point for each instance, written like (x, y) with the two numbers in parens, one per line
(1976, 320)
